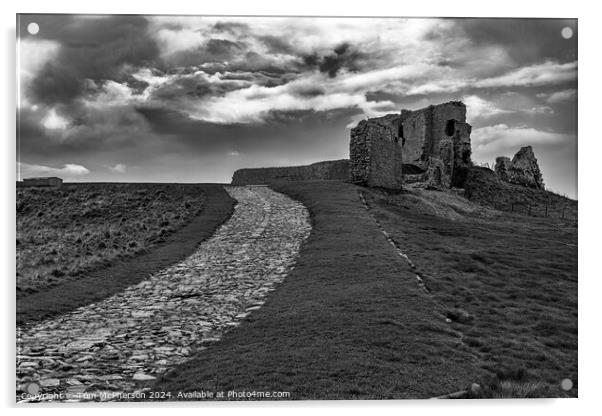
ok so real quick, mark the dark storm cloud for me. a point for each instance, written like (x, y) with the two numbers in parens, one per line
(286, 118)
(29, 129)
(308, 91)
(221, 49)
(167, 121)
(137, 86)
(233, 28)
(194, 86)
(88, 131)
(213, 50)
(190, 135)
(265, 78)
(37, 142)
(342, 56)
(276, 44)
(57, 83)
(526, 40)
(254, 61)
(91, 48)
(228, 56)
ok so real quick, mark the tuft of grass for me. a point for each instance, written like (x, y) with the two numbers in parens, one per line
(514, 390)
(515, 383)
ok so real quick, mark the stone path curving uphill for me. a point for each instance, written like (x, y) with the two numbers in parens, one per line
(116, 346)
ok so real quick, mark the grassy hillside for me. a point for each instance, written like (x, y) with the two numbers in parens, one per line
(348, 322)
(483, 187)
(498, 304)
(508, 283)
(64, 232)
(82, 243)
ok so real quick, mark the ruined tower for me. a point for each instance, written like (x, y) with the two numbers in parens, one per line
(376, 155)
(436, 144)
(430, 145)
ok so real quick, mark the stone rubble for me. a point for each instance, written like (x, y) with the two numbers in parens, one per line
(124, 342)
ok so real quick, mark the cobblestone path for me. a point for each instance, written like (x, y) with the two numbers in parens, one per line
(119, 345)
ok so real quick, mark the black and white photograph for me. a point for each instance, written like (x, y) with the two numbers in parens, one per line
(295, 208)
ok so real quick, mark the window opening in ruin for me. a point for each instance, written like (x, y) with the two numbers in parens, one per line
(400, 135)
(450, 127)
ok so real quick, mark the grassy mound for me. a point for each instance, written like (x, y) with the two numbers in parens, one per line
(349, 322)
(507, 282)
(484, 187)
(82, 243)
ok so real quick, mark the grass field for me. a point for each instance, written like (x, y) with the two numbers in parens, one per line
(82, 243)
(64, 232)
(349, 322)
(514, 275)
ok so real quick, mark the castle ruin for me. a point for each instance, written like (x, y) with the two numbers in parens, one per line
(376, 154)
(523, 169)
(428, 148)
(430, 145)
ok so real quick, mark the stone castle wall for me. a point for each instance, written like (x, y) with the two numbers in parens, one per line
(415, 135)
(328, 170)
(441, 116)
(423, 131)
(375, 154)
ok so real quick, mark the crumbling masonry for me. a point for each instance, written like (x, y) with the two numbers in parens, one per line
(523, 169)
(431, 145)
(376, 155)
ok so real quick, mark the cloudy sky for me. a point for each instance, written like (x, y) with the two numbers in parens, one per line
(191, 99)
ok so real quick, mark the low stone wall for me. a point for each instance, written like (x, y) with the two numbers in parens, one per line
(328, 170)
